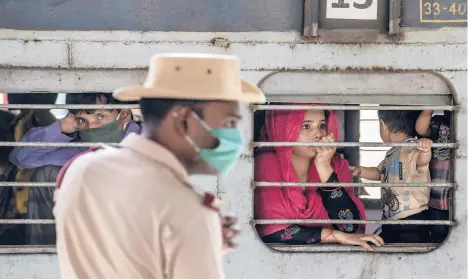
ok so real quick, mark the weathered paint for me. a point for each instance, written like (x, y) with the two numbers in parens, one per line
(147, 15)
(254, 259)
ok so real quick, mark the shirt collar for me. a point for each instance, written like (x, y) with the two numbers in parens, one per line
(156, 152)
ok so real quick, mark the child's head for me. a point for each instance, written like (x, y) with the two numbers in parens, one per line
(396, 122)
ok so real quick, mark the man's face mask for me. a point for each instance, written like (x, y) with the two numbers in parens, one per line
(225, 155)
(108, 133)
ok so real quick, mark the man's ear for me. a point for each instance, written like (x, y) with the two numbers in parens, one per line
(183, 121)
(384, 127)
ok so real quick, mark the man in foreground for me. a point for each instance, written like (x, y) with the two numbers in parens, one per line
(130, 212)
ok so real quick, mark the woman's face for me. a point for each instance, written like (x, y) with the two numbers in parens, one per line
(314, 127)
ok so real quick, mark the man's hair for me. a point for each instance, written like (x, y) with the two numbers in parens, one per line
(32, 98)
(6, 134)
(400, 121)
(104, 98)
(155, 110)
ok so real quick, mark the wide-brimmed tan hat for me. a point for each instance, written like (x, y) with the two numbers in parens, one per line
(193, 76)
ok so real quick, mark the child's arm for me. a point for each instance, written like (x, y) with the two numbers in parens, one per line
(423, 123)
(425, 155)
(368, 173)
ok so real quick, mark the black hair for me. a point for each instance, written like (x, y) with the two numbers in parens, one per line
(104, 98)
(155, 110)
(400, 121)
(32, 98)
(6, 134)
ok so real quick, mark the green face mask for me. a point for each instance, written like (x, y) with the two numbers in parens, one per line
(109, 133)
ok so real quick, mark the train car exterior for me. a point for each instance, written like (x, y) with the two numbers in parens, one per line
(340, 52)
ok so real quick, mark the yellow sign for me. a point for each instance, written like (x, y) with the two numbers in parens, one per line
(442, 11)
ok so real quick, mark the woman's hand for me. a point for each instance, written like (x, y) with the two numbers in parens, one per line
(357, 239)
(325, 154)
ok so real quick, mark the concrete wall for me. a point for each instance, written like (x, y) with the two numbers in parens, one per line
(79, 61)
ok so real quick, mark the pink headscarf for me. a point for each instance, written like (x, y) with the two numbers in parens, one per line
(275, 166)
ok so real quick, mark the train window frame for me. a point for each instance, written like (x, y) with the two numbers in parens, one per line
(319, 96)
(303, 95)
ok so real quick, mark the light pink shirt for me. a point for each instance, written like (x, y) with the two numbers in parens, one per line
(131, 213)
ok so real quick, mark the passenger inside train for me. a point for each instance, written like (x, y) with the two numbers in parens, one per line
(436, 126)
(402, 165)
(300, 165)
(78, 126)
(20, 197)
(306, 165)
(279, 164)
(42, 164)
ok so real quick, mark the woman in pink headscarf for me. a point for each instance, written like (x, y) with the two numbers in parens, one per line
(306, 165)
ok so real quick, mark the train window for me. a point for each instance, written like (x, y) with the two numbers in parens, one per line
(355, 152)
(30, 162)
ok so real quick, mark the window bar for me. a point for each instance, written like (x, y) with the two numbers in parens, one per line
(55, 144)
(70, 106)
(359, 222)
(276, 222)
(254, 107)
(27, 249)
(278, 184)
(347, 144)
(363, 107)
(27, 221)
(358, 185)
(255, 144)
(28, 184)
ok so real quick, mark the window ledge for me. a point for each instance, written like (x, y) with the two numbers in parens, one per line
(394, 248)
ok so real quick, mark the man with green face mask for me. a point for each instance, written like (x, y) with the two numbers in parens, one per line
(44, 163)
(80, 125)
(131, 212)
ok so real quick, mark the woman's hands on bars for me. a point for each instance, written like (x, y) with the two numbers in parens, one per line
(335, 236)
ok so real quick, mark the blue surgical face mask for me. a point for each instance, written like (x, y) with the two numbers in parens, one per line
(225, 155)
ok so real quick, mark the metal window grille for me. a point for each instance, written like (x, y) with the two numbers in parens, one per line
(279, 247)
(413, 248)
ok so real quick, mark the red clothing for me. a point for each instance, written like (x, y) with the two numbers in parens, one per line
(275, 166)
